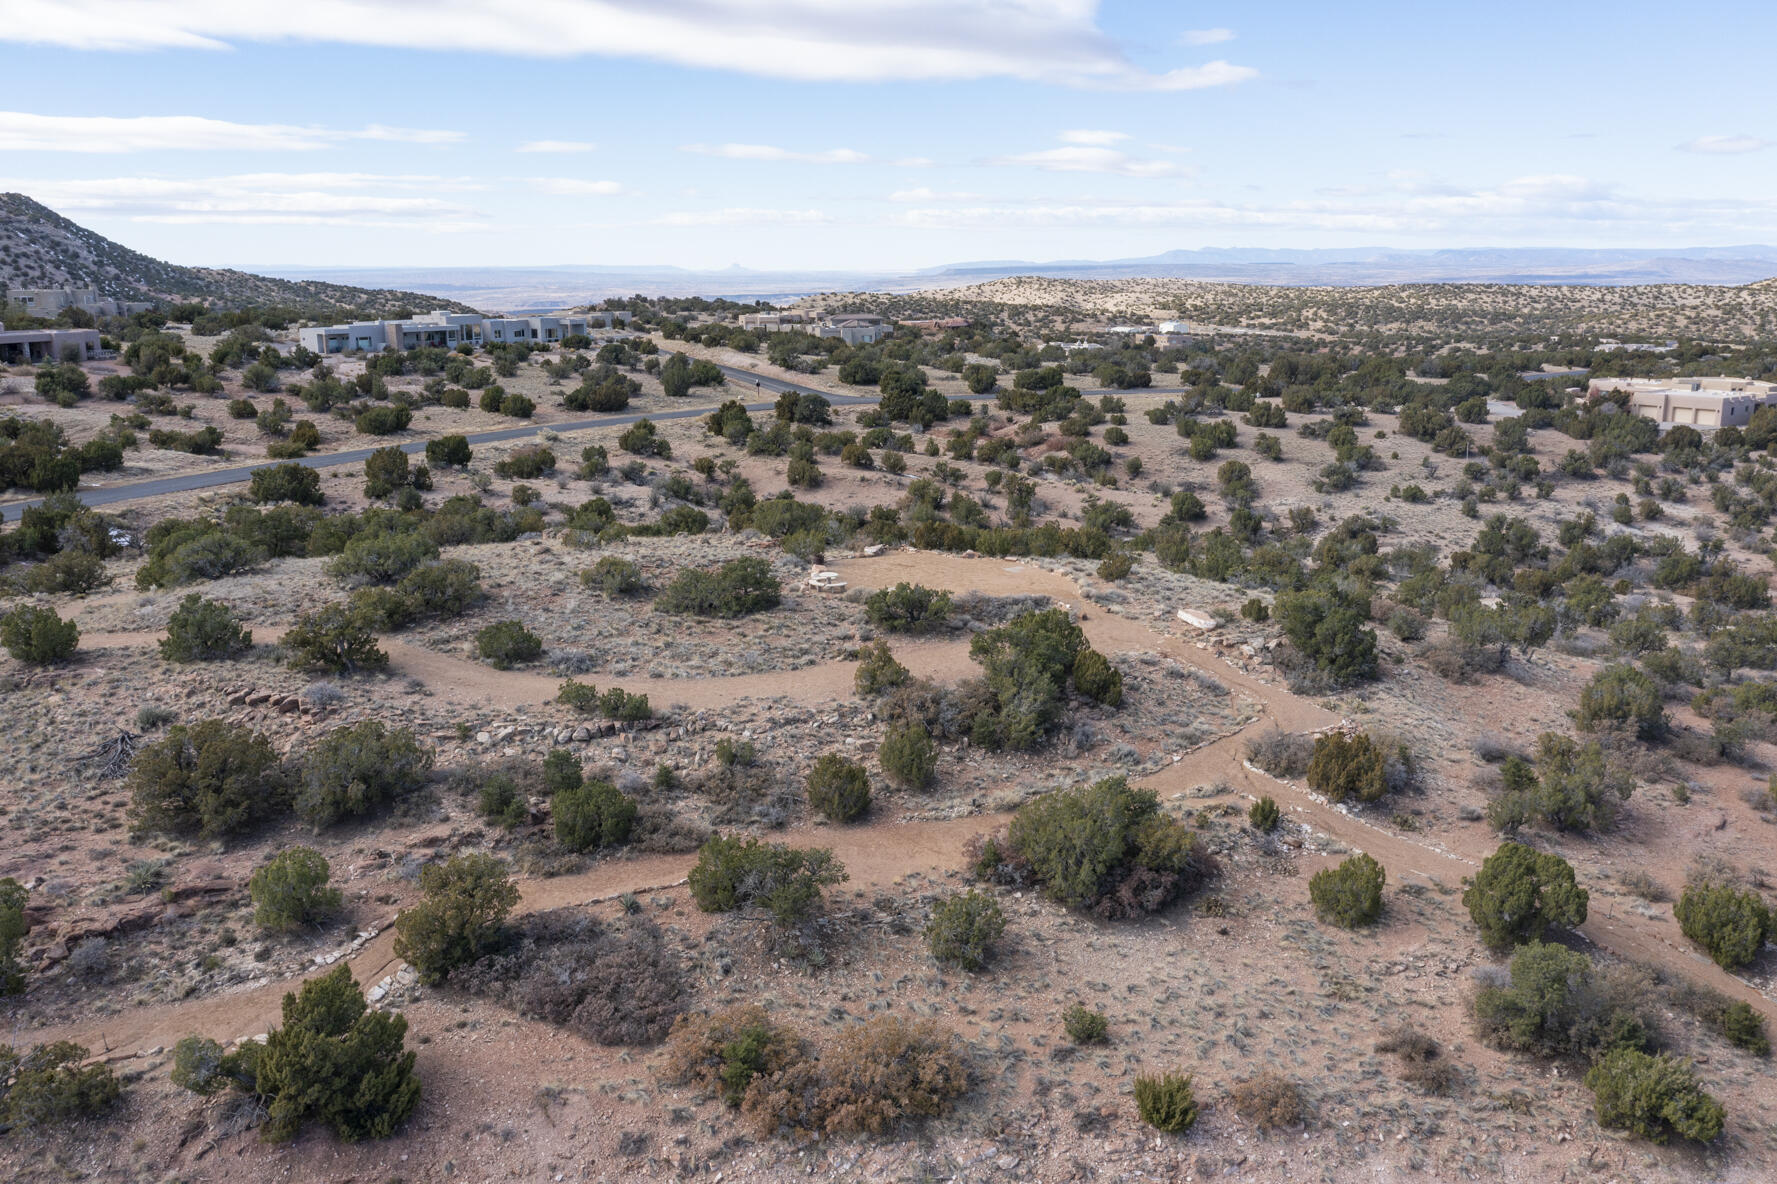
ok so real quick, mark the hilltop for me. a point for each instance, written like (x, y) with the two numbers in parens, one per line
(46, 250)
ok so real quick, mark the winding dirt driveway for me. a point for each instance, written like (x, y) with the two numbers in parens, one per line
(879, 854)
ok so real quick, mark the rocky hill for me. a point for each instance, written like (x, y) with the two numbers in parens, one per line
(45, 250)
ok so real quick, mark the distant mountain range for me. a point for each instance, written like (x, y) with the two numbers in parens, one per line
(539, 288)
(41, 249)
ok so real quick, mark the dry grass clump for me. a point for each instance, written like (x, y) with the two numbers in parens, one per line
(621, 987)
(1281, 754)
(725, 1051)
(871, 1078)
(1270, 1101)
(1423, 1062)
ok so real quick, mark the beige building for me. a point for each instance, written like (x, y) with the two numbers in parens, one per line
(1697, 402)
(47, 302)
(47, 345)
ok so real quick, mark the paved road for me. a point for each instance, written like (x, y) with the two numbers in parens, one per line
(740, 382)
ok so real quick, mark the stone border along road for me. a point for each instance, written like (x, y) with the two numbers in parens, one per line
(103, 495)
(880, 854)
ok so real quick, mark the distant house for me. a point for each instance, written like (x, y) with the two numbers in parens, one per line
(937, 324)
(1697, 402)
(47, 302)
(46, 345)
(853, 328)
(775, 322)
(445, 330)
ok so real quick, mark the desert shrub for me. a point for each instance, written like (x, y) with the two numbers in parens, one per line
(877, 670)
(76, 572)
(52, 1084)
(1654, 1097)
(615, 577)
(385, 471)
(1109, 848)
(908, 754)
(872, 1077)
(1520, 892)
(186, 552)
(740, 587)
(1556, 1003)
(1622, 696)
(1166, 1102)
(1423, 1062)
(332, 638)
(336, 1062)
(1742, 1026)
(448, 451)
(1571, 787)
(908, 608)
(1281, 754)
(1097, 679)
(383, 420)
(1349, 895)
(1264, 815)
(1356, 767)
(355, 770)
(201, 1066)
(13, 927)
(502, 802)
(725, 1051)
(1327, 627)
(1270, 1101)
(442, 588)
(1085, 1026)
(378, 556)
(619, 986)
(592, 814)
(210, 779)
(36, 635)
(783, 882)
(838, 788)
(505, 644)
(288, 482)
(1026, 664)
(290, 890)
(203, 631)
(464, 903)
(1730, 924)
(964, 928)
(525, 464)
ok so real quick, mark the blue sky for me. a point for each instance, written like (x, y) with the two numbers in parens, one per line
(882, 134)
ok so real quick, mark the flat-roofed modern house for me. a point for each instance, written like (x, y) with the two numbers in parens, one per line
(47, 302)
(46, 345)
(853, 328)
(443, 330)
(1697, 402)
(775, 322)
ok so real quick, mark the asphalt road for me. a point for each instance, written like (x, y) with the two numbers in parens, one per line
(739, 382)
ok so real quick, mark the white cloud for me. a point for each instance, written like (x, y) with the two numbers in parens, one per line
(924, 194)
(1205, 36)
(1046, 41)
(1555, 208)
(22, 131)
(574, 187)
(561, 146)
(915, 162)
(1087, 136)
(770, 152)
(1726, 145)
(327, 199)
(741, 216)
(1082, 159)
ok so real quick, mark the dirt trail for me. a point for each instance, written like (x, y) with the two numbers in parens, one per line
(877, 855)
(468, 683)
